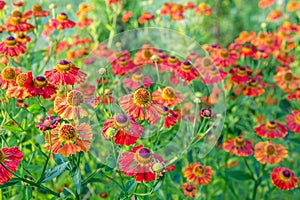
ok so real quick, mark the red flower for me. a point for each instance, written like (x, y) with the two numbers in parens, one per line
(203, 8)
(224, 58)
(24, 39)
(198, 173)
(187, 72)
(170, 64)
(274, 15)
(138, 162)
(267, 152)
(271, 129)
(16, 25)
(189, 189)
(171, 117)
(11, 158)
(137, 80)
(61, 22)
(293, 121)
(265, 3)
(167, 97)
(294, 95)
(37, 11)
(127, 129)
(65, 73)
(255, 87)
(18, 90)
(39, 86)
(141, 106)
(241, 74)
(18, 3)
(146, 17)
(84, 21)
(122, 65)
(238, 146)
(284, 178)
(2, 4)
(11, 47)
(126, 16)
(213, 75)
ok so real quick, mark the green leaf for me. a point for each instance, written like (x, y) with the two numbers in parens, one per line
(34, 108)
(12, 128)
(68, 192)
(10, 183)
(54, 172)
(130, 185)
(239, 175)
(76, 177)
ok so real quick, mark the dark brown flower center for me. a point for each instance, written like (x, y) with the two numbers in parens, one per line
(75, 98)
(239, 141)
(206, 62)
(40, 82)
(271, 149)
(37, 8)
(166, 110)
(9, 74)
(224, 53)
(242, 71)
(288, 76)
(123, 62)
(16, 13)
(253, 83)
(2, 156)
(189, 188)
(206, 112)
(63, 66)
(146, 53)
(142, 97)
(286, 173)
(168, 93)
(21, 78)
(122, 121)
(67, 132)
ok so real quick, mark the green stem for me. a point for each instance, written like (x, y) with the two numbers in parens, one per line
(47, 160)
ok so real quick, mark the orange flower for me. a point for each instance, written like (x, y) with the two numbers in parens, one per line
(224, 57)
(203, 9)
(268, 152)
(146, 17)
(274, 15)
(255, 87)
(167, 97)
(271, 129)
(245, 37)
(212, 98)
(8, 77)
(18, 91)
(286, 80)
(126, 16)
(189, 189)
(293, 5)
(83, 21)
(293, 121)
(141, 106)
(238, 146)
(198, 173)
(24, 39)
(69, 138)
(84, 9)
(285, 57)
(37, 11)
(143, 56)
(11, 47)
(16, 25)
(265, 3)
(61, 22)
(284, 178)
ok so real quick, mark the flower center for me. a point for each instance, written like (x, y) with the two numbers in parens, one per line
(16, 13)
(123, 62)
(284, 55)
(269, 41)
(224, 53)
(107, 92)
(67, 132)
(189, 188)
(122, 121)
(9, 74)
(198, 171)
(62, 17)
(83, 18)
(37, 8)
(166, 110)
(21, 78)
(142, 97)
(241, 71)
(10, 41)
(143, 156)
(15, 21)
(186, 66)
(63, 66)
(206, 62)
(271, 125)
(137, 77)
(206, 112)
(288, 76)
(75, 98)
(297, 119)
(262, 36)
(286, 173)
(239, 141)
(253, 83)
(168, 93)
(172, 60)
(2, 156)
(40, 82)
(146, 54)
(271, 149)
(161, 58)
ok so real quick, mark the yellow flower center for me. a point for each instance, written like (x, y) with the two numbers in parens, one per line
(82, 6)
(288, 76)
(271, 125)
(198, 171)
(186, 66)
(37, 8)
(239, 141)
(9, 74)
(10, 42)
(262, 36)
(269, 41)
(63, 66)
(122, 121)
(67, 133)
(206, 62)
(21, 78)
(168, 93)
(224, 53)
(146, 54)
(62, 17)
(137, 77)
(270, 149)
(172, 60)
(143, 156)
(83, 18)
(40, 82)
(2, 156)
(242, 71)
(123, 62)
(297, 119)
(15, 21)
(253, 83)
(75, 98)
(142, 97)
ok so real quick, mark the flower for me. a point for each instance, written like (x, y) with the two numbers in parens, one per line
(240, 74)
(24, 39)
(49, 123)
(146, 17)
(255, 87)
(141, 106)
(2, 4)
(127, 129)
(167, 97)
(198, 173)
(274, 15)
(39, 86)
(61, 22)
(65, 73)
(268, 152)
(69, 138)
(36, 11)
(265, 3)
(238, 146)
(286, 80)
(271, 129)
(144, 55)
(16, 25)
(212, 98)
(213, 75)
(126, 16)
(203, 8)
(137, 80)
(122, 65)
(284, 178)
(18, 3)
(8, 77)
(245, 37)
(11, 158)
(83, 21)
(293, 6)
(18, 91)
(294, 95)
(293, 121)
(171, 117)
(224, 57)
(11, 47)
(84, 9)
(187, 72)
(189, 189)
(138, 162)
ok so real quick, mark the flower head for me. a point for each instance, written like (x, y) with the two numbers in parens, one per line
(18, 90)
(198, 173)
(268, 152)
(271, 129)
(17, 25)
(61, 22)
(122, 65)
(293, 121)
(11, 47)
(137, 80)
(238, 146)
(284, 178)
(36, 11)
(167, 97)
(171, 117)
(187, 72)
(48, 123)
(189, 189)
(8, 77)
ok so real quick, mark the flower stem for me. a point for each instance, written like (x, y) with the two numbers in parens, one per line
(47, 160)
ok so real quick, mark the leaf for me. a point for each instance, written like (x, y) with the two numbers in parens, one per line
(12, 128)
(54, 172)
(239, 175)
(68, 192)
(34, 108)
(76, 177)
(130, 185)
(13, 181)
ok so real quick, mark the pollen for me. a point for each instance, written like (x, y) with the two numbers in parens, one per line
(21, 78)
(142, 97)
(9, 74)
(67, 133)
